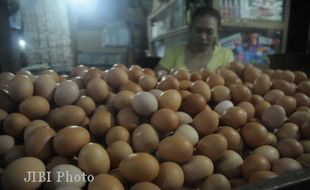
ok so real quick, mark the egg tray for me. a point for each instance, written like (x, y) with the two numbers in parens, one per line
(296, 180)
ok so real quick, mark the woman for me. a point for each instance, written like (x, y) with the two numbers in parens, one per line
(202, 49)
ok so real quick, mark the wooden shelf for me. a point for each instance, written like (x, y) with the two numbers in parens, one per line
(248, 23)
(172, 32)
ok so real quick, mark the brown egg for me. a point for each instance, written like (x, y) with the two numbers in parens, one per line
(184, 93)
(147, 82)
(79, 82)
(67, 92)
(229, 164)
(34, 107)
(250, 73)
(131, 86)
(228, 75)
(14, 124)
(254, 134)
(165, 120)
(288, 130)
(287, 87)
(261, 176)
(105, 181)
(33, 125)
(175, 148)
(256, 99)
(116, 77)
(144, 185)
(299, 77)
(286, 165)
(215, 182)
(97, 89)
(69, 140)
(123, 99)
(220, 93)
(149, 71)
(290, 148)
(205, 73)
(139, 167)
(170, 176)
(20, 87)
(69, 115)
(213, 146)
(271, 139)
(300, 117)
(144, 103)
(302, 99)
(193, 104)
(288, 103)
(100, 123)
(269, 152)
(77, 70)
(284, 75)
(52, 73)
(182, 74)
(170, 99)
(117, 133)
(87, 104)
(12, 154)
(262, 85)
(94, 159)
(144, 139)
(128, 118)
(39, 142)
(195, 75)
(206, 122)
(303, 87)
(254, 163)
(134, 73)
(234, 140)
(237, 67)
(202, 88)
(6, 143)
(16, 172)
(185, 84)
(235, 117)
(260, 108)
(115, 172)
(249, 108)
(6, 102)
(273, 117)
(215, 80)
(90, 74)
(306, 145)
(304, 160)
(168, 82)
(118, 151)
(240, 93)
(184, 118)
(305, 129)
(44, 86)
(197, 169)
(273, 95)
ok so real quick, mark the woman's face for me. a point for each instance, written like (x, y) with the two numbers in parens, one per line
(205, 31)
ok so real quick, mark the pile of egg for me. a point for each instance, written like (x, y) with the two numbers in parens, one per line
(134, 128)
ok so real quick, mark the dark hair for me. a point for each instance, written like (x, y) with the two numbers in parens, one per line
(203, 11)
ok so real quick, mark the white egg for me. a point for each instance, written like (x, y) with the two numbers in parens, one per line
(221, 107)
